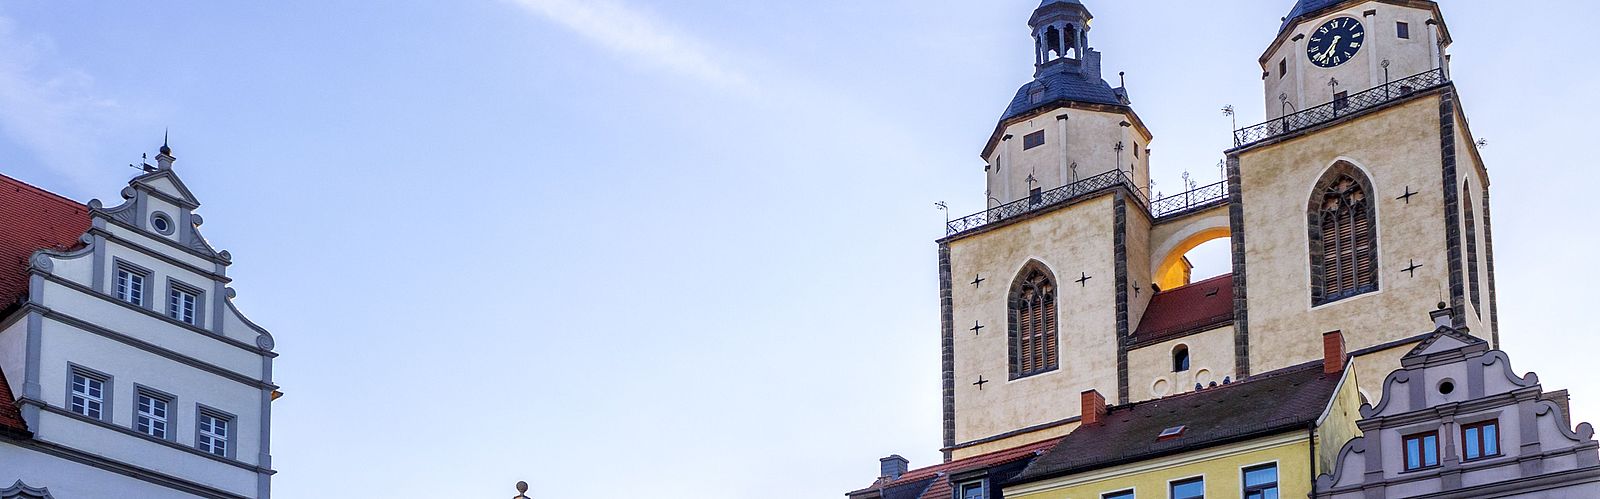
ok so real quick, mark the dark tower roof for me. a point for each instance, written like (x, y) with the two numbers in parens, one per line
(1306, 8)
(1049, 8)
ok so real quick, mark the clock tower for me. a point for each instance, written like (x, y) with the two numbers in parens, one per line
(1326, 48)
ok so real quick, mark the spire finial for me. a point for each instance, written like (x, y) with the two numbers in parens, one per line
(165, 159)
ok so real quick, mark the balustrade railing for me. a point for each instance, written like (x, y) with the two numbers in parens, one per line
(1198, 197)
(1340, 107)
(1045, 199)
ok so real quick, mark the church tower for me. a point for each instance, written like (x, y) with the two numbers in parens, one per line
(1357, 206)
(1067, 124)
(1038, 289)
(1366, 137)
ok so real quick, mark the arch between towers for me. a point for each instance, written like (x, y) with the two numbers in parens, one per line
(1171, 240)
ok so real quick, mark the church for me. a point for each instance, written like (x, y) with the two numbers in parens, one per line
(1358, 220)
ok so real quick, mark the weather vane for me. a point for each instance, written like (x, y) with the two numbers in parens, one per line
(522, 491)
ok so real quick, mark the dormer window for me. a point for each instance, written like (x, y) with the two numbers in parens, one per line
(972, 490)
(1036, 95)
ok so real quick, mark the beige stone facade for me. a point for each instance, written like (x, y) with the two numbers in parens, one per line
(1109, 249)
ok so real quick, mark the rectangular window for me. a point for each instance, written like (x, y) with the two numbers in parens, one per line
(1261, 482)
(181, 304)
(130, 285)
(1283, 68)
(213, 433)
(1036, 95)
(1422, 450)
(1481, 440)
(150, 417)
(1033, 140)
(88, 394)
(1125, 494)
(1402, 30)
(971, 490)
(1193, 488)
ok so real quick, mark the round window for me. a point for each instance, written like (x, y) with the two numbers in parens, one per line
(161, 223)
(1447, 386)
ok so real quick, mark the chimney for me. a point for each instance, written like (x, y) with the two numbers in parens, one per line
(1332, 352)
(1094, 408)
(893, 467)
(1442, 317)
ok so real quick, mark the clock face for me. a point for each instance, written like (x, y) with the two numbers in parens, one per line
(1336, 42)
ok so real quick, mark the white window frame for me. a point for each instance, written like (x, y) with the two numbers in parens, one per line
(124, 291)
(197, 302)
(209, 441)
(961, 492)
(140, 416)
(102, 402)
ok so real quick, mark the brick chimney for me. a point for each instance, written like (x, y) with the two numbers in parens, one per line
(1094, 408)
(1332, 352)
(893, 467)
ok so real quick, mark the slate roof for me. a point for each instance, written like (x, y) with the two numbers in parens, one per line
(1197, 307)
(31, 219)
(1306, 8)
(1263, 405)
(1062, 86)
(933, 482)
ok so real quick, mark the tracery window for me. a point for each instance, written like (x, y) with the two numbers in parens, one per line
(1034, 323)
(1344, 248)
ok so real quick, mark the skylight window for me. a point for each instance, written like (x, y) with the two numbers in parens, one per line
(1173, 432)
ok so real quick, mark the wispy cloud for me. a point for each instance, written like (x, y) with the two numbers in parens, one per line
(632, 32)
(50, 110)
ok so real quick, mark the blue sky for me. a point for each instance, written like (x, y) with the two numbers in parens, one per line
(621, 248)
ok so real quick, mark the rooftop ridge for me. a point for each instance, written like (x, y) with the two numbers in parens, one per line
(42, 191)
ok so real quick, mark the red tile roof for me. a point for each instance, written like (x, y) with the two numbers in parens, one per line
(940, 488)
(1197, 307)
(31, 219)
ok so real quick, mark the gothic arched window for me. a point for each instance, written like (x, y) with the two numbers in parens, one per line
(1472, 249)
(1344, 246)
(1033, 322)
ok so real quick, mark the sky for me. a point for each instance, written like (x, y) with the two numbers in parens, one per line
(624, 248)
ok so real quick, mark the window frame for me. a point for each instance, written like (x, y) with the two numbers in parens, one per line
(1481, 440)
(74, 371)
(1128, 493)
(230, 441)
(1422, 451)
(1245, 488)
(1283, 68)
(1172, 487)
(1188, 360)
(962, 487)
(1045, 350)
(170, 421)
(119, 267)
(1033, 140)
(1402, 30)
(176, 286)
(1317, 247)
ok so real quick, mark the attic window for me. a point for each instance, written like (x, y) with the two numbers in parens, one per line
(1173, 432)
(1036, 95)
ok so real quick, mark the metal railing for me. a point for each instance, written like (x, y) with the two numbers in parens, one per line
(1340, 107)
(1203, 196)
(1045, 199)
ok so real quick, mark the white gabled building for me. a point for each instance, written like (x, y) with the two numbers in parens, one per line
(125, 370)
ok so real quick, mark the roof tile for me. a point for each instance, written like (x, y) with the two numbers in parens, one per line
(31, 219)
